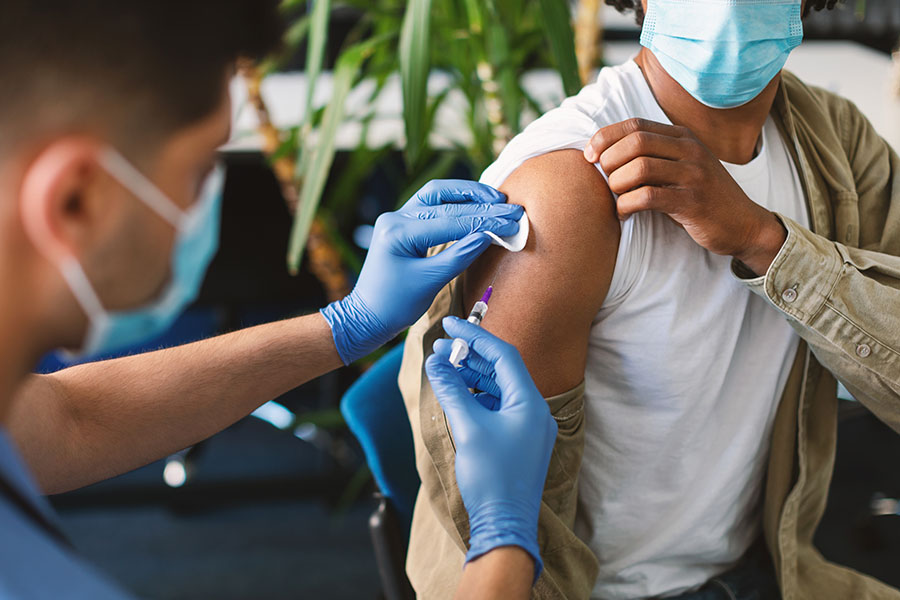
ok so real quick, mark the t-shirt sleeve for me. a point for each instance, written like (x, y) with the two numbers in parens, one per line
(567, 127)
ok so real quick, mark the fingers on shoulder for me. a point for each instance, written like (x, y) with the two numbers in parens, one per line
(566, 198)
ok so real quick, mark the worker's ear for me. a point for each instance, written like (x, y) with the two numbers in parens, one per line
(65, 199)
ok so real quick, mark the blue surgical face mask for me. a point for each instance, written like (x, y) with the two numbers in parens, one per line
(196, 242)
(722, 52)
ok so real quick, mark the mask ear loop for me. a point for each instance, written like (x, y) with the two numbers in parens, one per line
(87, 298)
(136, 182)
(210, 194)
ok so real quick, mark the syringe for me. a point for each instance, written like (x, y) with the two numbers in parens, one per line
(460, 349)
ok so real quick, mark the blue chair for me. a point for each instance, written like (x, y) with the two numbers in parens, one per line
(374, 411)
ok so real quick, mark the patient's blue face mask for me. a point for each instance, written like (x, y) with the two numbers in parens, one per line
(196, 242)
(722, 52)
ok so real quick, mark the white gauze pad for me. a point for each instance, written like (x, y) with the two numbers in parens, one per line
(516, 242)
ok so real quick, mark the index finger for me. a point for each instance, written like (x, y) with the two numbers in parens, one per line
(454, 191)
(609, 135)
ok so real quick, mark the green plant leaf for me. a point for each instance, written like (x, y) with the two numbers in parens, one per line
(315, 54)
(475, 17)
(343, 197)
(505, 74)
(314, 163)
(326, 419)
(437, 170)
(345, 250)
(288, 145)
(296, 33)
(558, 25)
(414, 58)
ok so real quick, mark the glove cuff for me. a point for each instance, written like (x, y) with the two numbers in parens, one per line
(504, 524)
(355, 329)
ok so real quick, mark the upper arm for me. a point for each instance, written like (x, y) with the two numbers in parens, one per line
(546, 296)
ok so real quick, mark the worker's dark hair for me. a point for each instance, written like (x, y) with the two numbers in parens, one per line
(635, 5)
(136, 70)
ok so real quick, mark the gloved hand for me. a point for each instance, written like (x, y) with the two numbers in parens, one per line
(398, 283)
(504, 438)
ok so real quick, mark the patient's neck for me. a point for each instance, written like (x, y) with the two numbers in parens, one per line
(732, 134)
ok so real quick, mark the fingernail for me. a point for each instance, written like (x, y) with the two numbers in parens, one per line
(590, 154)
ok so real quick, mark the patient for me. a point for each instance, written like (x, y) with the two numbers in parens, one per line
(663, 370)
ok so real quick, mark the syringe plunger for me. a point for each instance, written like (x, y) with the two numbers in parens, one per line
(460, 349)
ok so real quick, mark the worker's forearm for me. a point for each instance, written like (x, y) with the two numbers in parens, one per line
(505, 573)
(94, 421)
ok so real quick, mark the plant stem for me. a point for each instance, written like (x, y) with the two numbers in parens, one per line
(324, 258)
(588, 37)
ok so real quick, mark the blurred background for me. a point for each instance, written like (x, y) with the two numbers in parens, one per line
(311, 496)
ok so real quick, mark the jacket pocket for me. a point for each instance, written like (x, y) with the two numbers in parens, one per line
(570, 568)
(561, 487)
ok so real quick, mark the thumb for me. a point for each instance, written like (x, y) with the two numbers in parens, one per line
(463, 253)
(450, 390)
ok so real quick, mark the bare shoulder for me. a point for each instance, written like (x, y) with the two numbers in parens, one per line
(545, 297)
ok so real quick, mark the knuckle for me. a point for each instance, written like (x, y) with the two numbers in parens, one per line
(478, 223)
(429, 188)
(640, 141)
(634, 124)
(384, 220)
(606, 162)
(387, 225)
(616, 187)
(512, 352)
(643, 168)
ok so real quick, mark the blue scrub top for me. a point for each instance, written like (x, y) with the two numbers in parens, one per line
(33, 564)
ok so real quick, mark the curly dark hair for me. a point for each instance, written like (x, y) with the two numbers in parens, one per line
(635, 5)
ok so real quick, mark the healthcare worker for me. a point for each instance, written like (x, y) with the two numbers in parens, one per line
(110, 117)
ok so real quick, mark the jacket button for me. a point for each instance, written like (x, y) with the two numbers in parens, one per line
(863, 350)
(789, 295)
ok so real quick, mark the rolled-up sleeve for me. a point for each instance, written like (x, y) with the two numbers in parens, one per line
(845, 303)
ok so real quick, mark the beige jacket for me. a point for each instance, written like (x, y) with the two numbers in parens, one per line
(839, 287)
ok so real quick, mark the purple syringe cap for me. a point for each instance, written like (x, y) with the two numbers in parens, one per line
(487, 294)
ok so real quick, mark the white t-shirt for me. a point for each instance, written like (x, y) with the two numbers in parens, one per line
(685, 369)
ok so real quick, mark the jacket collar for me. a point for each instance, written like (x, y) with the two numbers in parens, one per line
(815, 141)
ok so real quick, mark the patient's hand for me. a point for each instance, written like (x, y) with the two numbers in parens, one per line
(655, 166)
(546, 297)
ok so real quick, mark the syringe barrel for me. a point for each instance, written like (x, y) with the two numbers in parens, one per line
(478, 312)
(460, 349)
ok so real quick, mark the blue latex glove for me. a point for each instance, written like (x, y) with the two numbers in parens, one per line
(398, 283)
(504, 438)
